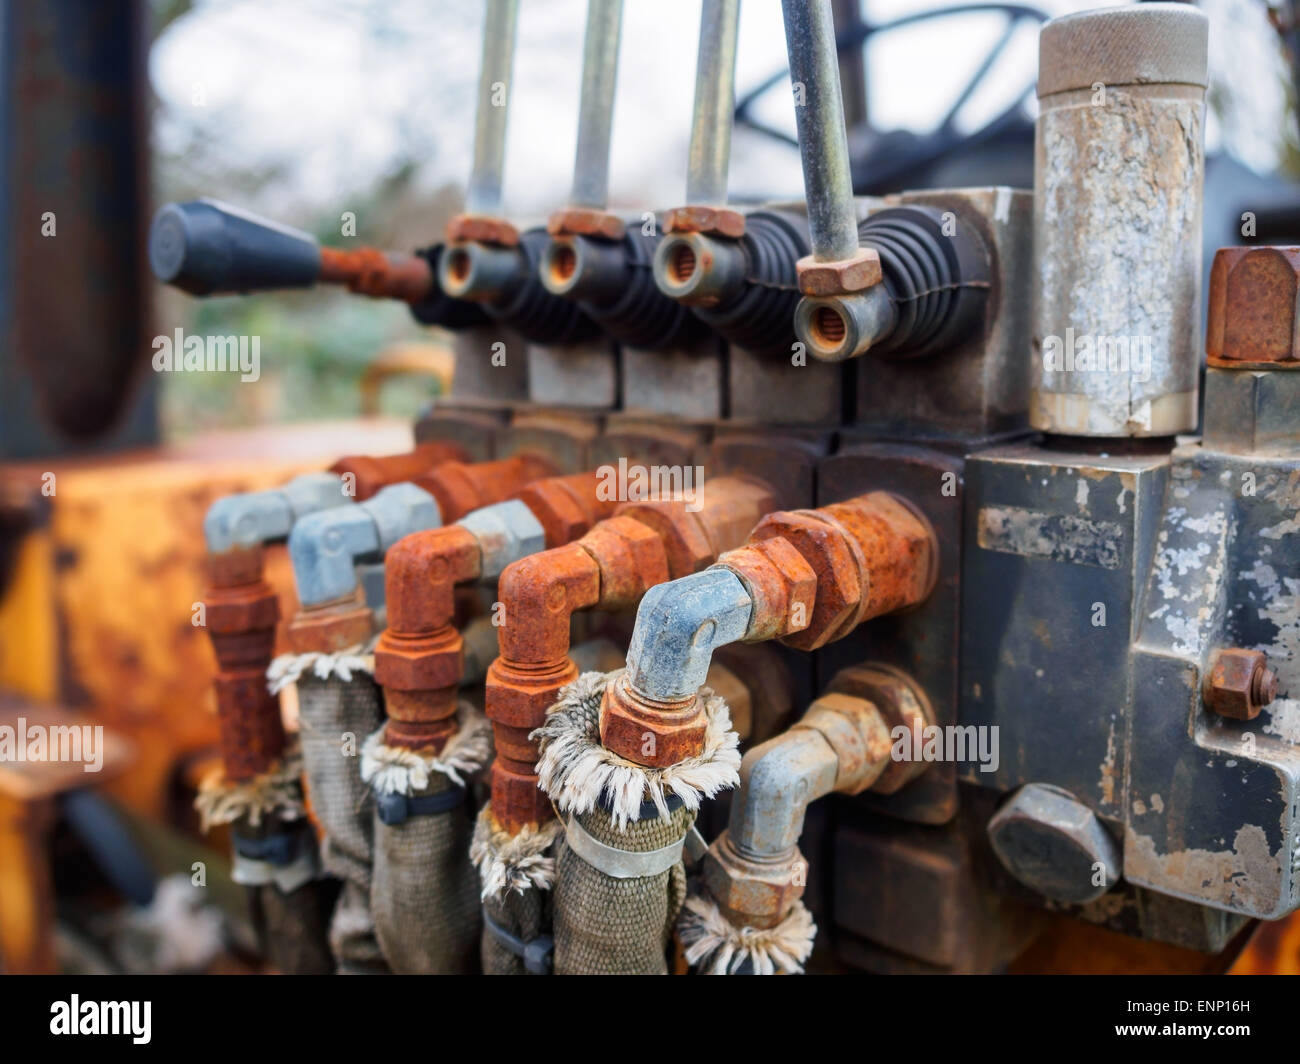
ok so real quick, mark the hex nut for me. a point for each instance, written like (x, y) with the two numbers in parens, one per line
(839, 583)
(711, 221)
(482, 230)
(585, 221)
(1054, 845)
(840, 277)
(756, 895)
(653, 734)
(900, 702)
(1239, 683)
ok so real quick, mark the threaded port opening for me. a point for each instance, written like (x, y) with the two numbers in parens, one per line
(828, 327)
(681, 263)
(564, 262)
(458, 266)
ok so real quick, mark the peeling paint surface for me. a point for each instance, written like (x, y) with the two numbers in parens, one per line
(1247, 877)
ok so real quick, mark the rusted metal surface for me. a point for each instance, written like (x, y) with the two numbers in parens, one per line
(419, 659)
(372, 472)
(378, 274)
(711, 221)
(1252, 308)
(460, 487)
(611, 567)
(751, 893)
(871, 555)
(1239, 683)
(782, 586)
(566, 506)
(242, 612)
(651, 731)
(480, 229)
(900, 702)
(819, 277)
(420, 656)
(331, 627)
(585, 221)
(538, 595)
(634, 724)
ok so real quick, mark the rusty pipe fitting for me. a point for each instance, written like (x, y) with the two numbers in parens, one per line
(805, 577)
(378, 274)
(369, 473)
(538, 596)
(460, 488)
(842, 745)
(419, 660)
(241, 611)
(611, 567)
(326, 547)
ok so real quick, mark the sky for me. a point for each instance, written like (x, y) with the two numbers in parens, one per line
(327, 94)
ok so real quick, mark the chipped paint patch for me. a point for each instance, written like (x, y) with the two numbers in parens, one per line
(1246, 878)
(1081, 494)
(1285, 719)
(1056, 537)
(1107, 782)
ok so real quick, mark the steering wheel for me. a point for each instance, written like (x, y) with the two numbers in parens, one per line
(898, 152)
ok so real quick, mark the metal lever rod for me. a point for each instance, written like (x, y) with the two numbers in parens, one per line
(715, 100)
(483, 196)
(596, 107)
(819, 118)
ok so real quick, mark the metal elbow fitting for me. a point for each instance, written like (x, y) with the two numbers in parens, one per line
(325, 547)
(252, 518)
(678, 626)
(841, 745)
(419, 660)
(699, 270)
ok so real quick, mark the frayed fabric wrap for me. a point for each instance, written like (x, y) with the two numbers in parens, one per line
(715, 946)
(335, 716)
(277, 793)
(607, 924)
(288, 669)
(516, 873)
(424, 893)
(291, 925)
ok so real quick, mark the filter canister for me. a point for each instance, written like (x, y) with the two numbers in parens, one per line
(1119, 166)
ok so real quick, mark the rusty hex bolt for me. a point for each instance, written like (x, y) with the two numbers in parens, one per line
(1239, 683)
(1252, 306)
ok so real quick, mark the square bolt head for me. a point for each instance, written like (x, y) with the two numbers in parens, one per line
(1253, 306)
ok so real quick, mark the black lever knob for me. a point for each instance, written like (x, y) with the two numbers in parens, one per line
(208, 248)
